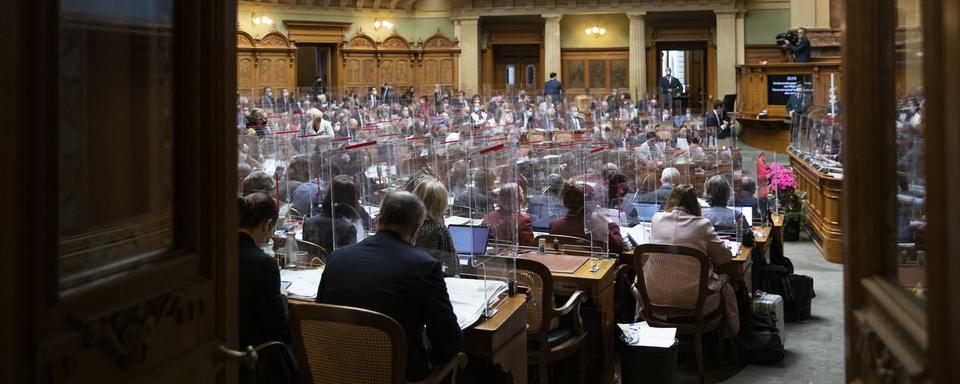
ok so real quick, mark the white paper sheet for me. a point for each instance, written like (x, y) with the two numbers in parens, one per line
(303, 283)
(469, 297)
(643, 335)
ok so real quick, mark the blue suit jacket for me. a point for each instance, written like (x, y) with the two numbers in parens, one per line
(385, 274)
(552, 88)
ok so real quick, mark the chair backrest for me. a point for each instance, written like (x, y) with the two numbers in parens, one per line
(680, 278)
(563, 136)
(337, 344)
(537, 278)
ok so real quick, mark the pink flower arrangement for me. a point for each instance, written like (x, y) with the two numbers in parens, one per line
(781, 178)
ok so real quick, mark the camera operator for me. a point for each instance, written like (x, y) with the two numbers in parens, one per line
(800, 48)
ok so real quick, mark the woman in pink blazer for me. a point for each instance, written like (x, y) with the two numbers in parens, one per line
(681, 224)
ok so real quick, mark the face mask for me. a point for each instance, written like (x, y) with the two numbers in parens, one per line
(529, 113)
(285, 94)
(269, 93)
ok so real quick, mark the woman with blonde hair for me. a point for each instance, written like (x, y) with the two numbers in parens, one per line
(433, 237)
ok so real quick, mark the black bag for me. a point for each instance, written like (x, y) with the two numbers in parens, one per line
(785, 262)
(797, 301)
(773, 280)
(760, 342)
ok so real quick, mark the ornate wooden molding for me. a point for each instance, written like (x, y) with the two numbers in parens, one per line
(125, 334)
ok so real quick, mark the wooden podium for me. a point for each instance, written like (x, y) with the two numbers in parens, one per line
(771, 132)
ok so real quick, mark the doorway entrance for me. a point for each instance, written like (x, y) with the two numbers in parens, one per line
(688, 63)
(516, 66)
(316, 61)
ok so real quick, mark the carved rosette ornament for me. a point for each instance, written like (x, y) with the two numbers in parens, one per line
(125, 334)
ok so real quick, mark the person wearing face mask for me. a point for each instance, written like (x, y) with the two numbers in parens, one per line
(285, 103)
(575, 120)
(669, 86)
(680, 119)
(386, 273)
(267, 101)
(527, 118)
(478, 116)
(372, 100)
(262, 303)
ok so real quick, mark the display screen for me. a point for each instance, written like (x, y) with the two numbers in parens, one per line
(781, 87)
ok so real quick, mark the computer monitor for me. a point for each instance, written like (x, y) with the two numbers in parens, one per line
(542, 224)
(470, 240)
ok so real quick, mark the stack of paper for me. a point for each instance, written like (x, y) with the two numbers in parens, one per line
(733, 246)
(639, 234)
(304, 283)
(643, 335)
(470, 297)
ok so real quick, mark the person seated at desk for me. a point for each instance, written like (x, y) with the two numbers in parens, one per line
(497, 220)
(338, 224)
(649, 151)
(472, 202)
(745, 197)
(298, 172)
(668, 178)
(307, 196)
(723, 219)
(262, 305)
(572, 224)
(259, 181)
(695, 151)
(387, 274)
(434, 237)
(616, 184)
(681, 224)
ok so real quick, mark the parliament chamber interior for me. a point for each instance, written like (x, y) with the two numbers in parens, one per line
(483, 191)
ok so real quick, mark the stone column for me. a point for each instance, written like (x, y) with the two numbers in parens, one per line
(468, 34)
(638, 55)
(741, 49)
(551, 45)
(726, 53)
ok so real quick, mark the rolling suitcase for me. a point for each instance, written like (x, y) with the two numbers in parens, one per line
(768, 302)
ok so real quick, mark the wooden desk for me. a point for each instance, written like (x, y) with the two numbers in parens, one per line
(769, 134)
(597, 314)
(500, 340)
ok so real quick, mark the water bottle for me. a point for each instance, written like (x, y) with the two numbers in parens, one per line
(542, 246)
(291, 250)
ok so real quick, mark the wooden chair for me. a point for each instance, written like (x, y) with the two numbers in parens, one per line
(337, 344)
(535, 137)
(545, 346)
(689, 320)
(563, 136)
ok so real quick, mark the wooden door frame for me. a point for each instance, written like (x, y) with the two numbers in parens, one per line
(889, 336)
(691, 33)
(46, 334)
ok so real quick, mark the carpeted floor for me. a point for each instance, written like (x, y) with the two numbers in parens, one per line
(814, 348)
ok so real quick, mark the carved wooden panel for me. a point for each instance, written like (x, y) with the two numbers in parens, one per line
(368, 63)
(594, 70)
(268, 62)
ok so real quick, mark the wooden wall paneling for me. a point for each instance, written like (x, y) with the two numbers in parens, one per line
(368, 63)
(268, 62)
(755, 54)
(591, 71)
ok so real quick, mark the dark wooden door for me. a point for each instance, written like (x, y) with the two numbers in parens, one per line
(121, 156)
(522, 60)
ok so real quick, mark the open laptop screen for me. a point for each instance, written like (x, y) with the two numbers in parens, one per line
(470, 240)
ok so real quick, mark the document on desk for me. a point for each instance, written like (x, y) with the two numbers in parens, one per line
(304, 283)
(460, 220)
(643, 335)
(639, 234)
(471, 296)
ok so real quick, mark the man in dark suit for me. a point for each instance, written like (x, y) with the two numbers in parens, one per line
(801, 50)
(715, 124)
(669, 86)
(386, 92)
(798, 102)
(387, 274)
(286, 103)
(267, 101)
(553, 88)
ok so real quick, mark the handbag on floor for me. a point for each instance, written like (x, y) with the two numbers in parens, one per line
(799, 294)
(760, 343)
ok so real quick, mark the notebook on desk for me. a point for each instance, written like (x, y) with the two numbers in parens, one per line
(470, 240)
(557, 263)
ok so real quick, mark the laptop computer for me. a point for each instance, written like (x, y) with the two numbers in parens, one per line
(542, 224)
(470, 240)
(645, 211)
